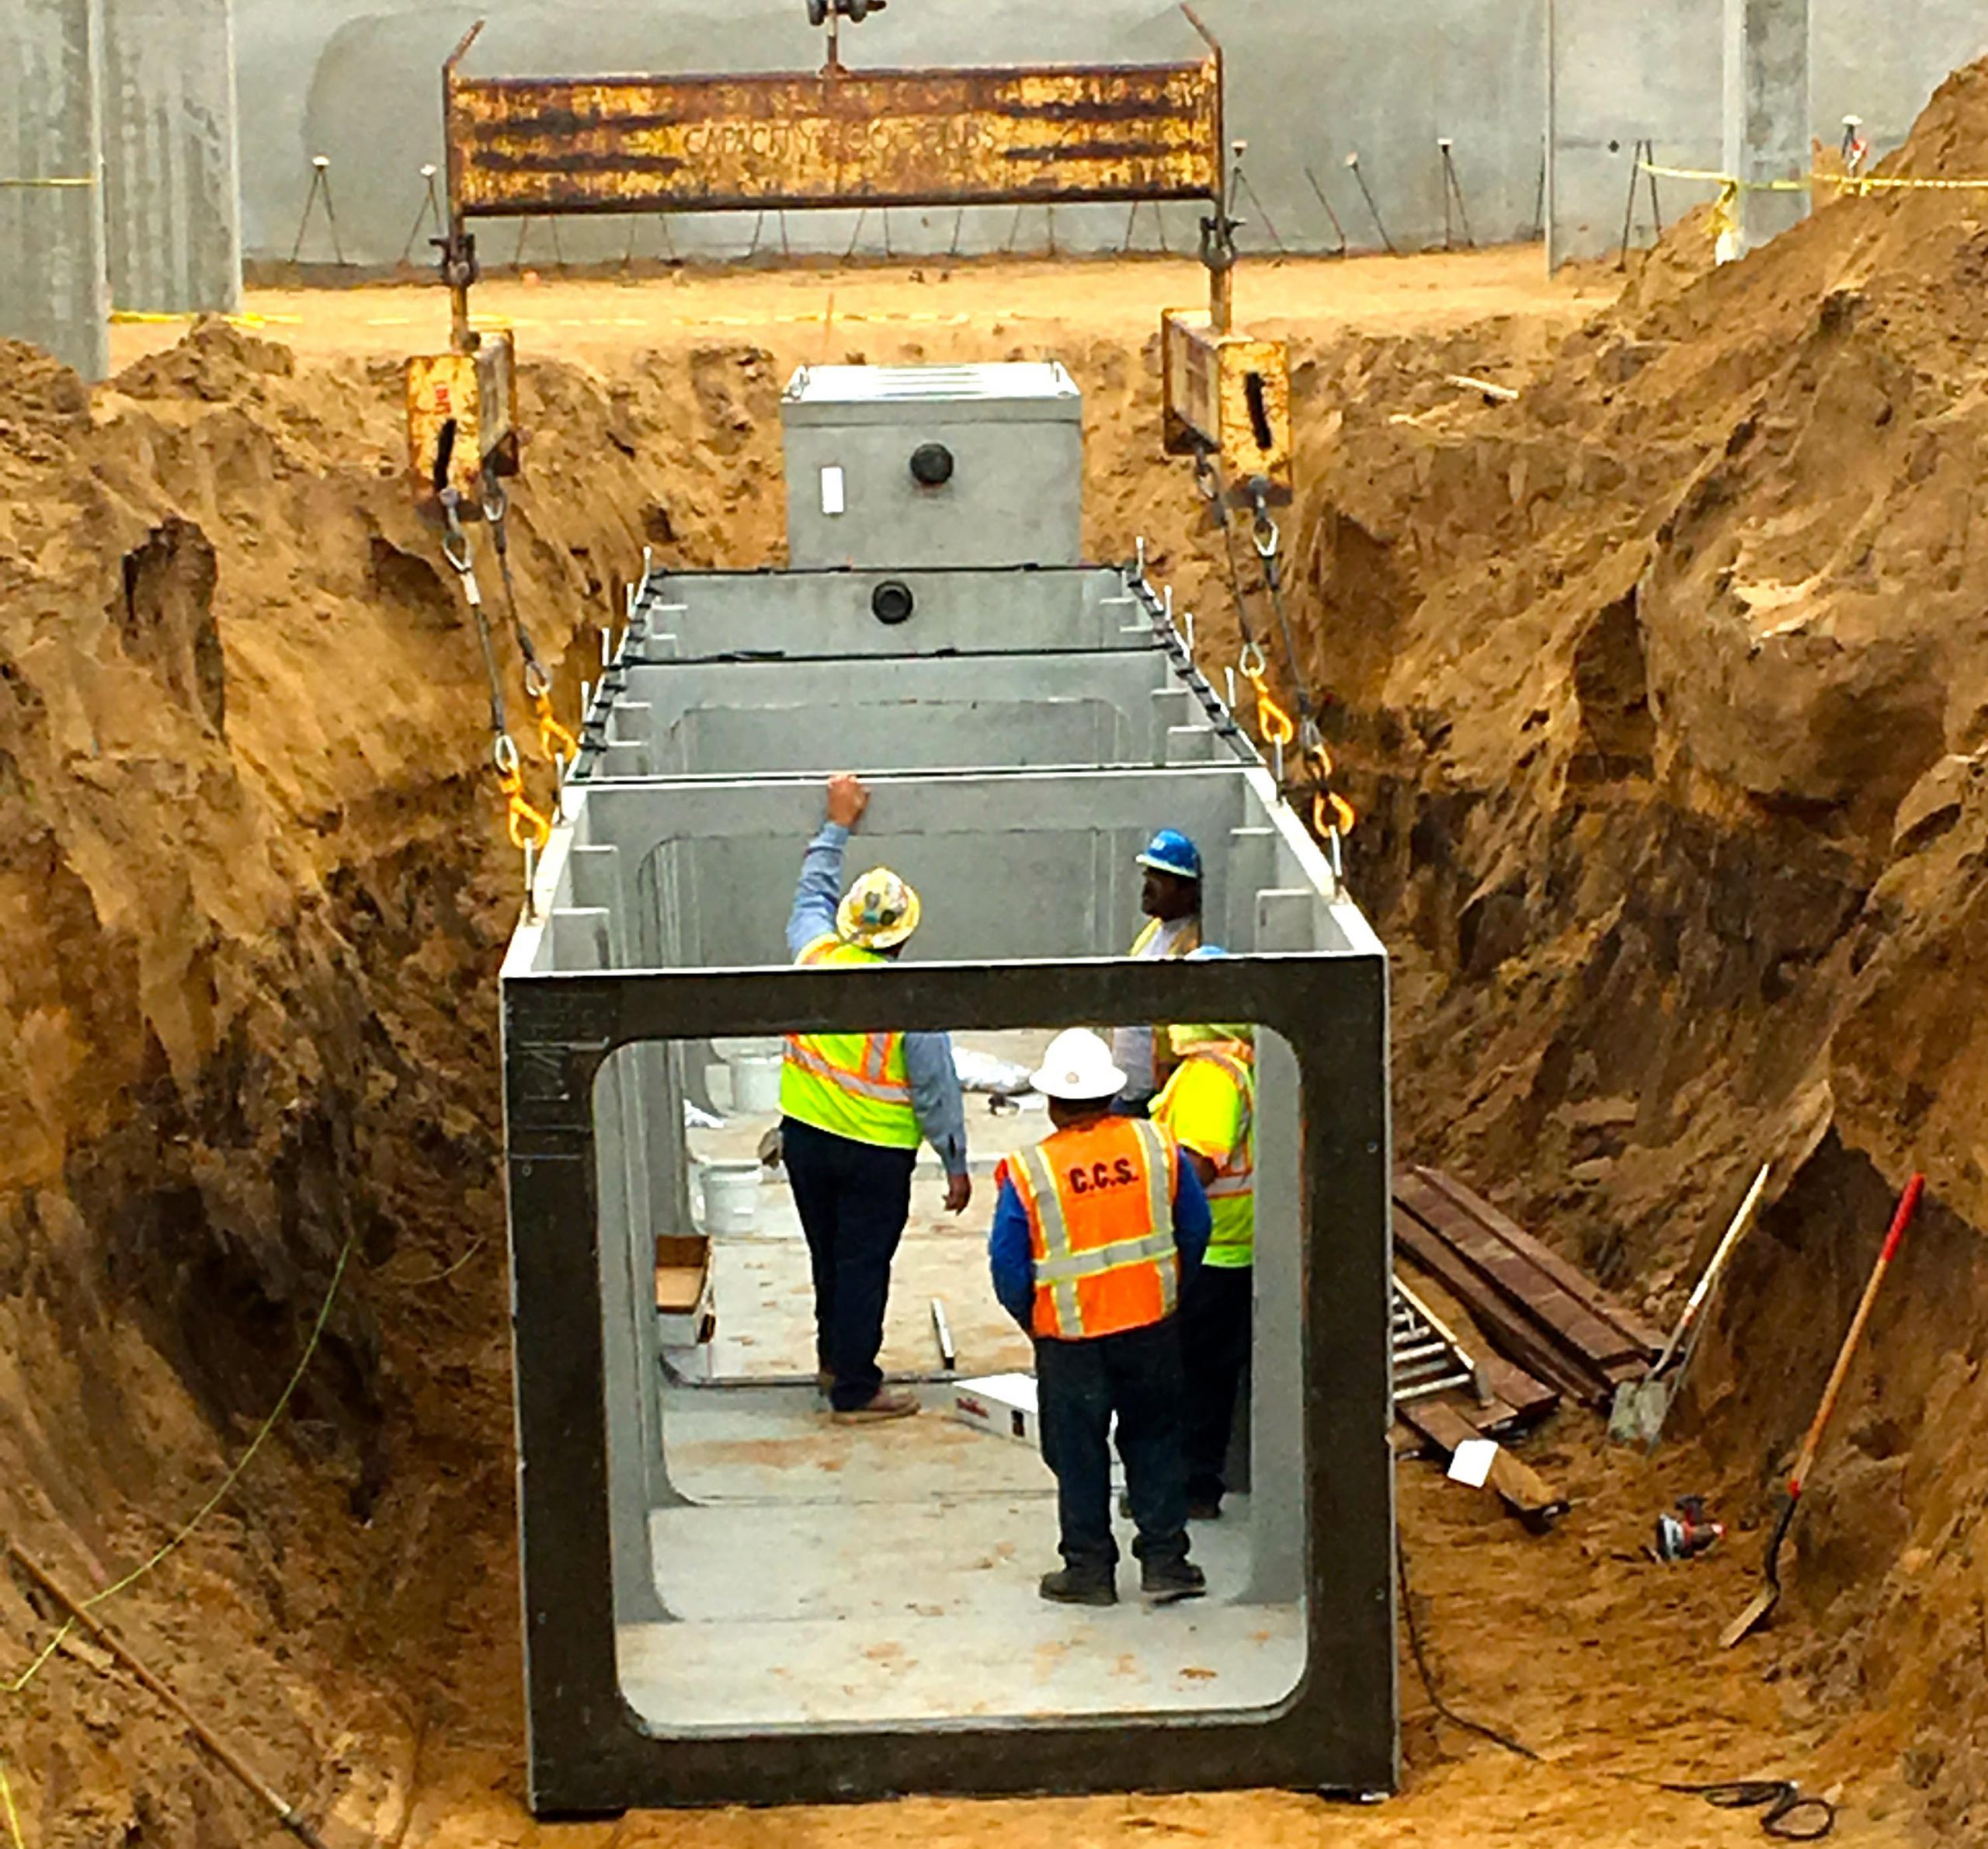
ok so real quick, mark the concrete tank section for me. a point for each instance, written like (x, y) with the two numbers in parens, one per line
(725, 1600)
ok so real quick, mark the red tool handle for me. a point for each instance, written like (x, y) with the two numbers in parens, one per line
(1908, 1205)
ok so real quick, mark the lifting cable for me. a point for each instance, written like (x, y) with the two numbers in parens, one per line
(1791, 1814)
(529, 828)
(1332, 816)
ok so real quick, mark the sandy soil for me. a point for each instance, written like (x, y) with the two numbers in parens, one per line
(1659, 691)
(965, 309)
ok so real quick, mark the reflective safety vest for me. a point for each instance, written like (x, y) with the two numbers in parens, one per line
(850, 1085)
(1184, 944)
(1233, 1194)
(1099, 1202)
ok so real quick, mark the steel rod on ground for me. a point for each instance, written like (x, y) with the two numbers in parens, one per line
(288, 1813)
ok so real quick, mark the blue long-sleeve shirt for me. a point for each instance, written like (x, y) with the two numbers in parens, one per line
(928, 1057)
(1011, 1259)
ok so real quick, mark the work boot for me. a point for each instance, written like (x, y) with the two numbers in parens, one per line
(1204, 1508)
(825, 1385)
(1080, 1585)
(1168, 1581)
(886, 1403)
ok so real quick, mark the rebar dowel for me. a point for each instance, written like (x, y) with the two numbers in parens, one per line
(431, 206)
(320, 187)
(1338, 230)
(1367, 192)
(1453, 188)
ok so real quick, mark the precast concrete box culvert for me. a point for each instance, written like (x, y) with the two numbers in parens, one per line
(728, 1599)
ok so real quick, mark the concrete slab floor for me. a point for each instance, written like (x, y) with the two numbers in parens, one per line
(889, 1573)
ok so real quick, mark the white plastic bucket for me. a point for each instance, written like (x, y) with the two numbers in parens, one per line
(754, 1083)
(731, 1196)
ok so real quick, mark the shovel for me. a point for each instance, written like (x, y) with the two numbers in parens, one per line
(1641, 1406)
(1765, 1600)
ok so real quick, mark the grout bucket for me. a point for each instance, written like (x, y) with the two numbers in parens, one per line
(732, 1197)
(754, 1083)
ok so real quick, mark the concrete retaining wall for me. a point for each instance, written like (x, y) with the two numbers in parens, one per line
(1310, 82)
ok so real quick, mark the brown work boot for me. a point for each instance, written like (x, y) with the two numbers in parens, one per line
(886, 1403)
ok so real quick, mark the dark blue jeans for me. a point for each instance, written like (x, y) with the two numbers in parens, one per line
(1216, 1307)
(1078, 1386)
(853, 1199)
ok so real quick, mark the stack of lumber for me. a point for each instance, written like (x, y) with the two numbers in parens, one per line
(1552, 1324)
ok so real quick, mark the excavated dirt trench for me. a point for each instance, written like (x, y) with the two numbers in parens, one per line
(1662, 691)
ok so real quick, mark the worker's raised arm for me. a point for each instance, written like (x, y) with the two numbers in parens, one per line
(820, 889)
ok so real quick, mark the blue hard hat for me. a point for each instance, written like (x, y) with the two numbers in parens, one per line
(1169, 851)
(1204, 952)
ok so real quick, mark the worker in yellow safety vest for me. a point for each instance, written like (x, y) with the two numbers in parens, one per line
(1209, 1108)
(1095, 1228)
(854, 1108)
(1170, 896)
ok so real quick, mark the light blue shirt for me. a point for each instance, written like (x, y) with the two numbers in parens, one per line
(928, 1057)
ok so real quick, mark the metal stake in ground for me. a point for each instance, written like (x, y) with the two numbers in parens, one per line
(1769, 1596)
(1366, 192)
(287, 1814)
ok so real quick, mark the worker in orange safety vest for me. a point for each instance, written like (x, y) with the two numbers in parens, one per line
(1094, 1230)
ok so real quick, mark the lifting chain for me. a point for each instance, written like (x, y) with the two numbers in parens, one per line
(556, 742)
(526, 825)
(1333, 817)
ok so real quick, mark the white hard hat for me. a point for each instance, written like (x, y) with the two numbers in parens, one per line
(1077, 1068)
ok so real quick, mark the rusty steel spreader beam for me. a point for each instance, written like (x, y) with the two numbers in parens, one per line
(1049, 134)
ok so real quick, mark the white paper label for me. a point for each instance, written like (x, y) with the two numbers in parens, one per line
(1472, 1461)
(832, 488)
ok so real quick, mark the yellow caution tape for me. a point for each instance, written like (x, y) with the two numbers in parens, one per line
(139, 317)
(1844, 183)
(78, 179)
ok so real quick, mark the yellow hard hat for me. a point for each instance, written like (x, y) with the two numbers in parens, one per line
(879, 912)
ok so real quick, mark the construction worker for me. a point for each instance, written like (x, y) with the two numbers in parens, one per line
(1209, 1108)
(1095, 1228)
(854, 1108)
(1171, 899)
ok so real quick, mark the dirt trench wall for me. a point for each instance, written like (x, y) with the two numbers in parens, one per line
(1665, 689)
(255, 889)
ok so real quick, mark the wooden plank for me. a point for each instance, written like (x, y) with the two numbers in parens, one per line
(1526, 1400)
(1524, 1342)
(1514, 1275)
(1569, 1276)
(1520, 1488)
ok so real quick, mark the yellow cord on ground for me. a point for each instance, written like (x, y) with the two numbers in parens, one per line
(228, 1483)
(13, 1819)
(78, 179)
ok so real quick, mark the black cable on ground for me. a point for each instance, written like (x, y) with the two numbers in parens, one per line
(1793, 1816)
